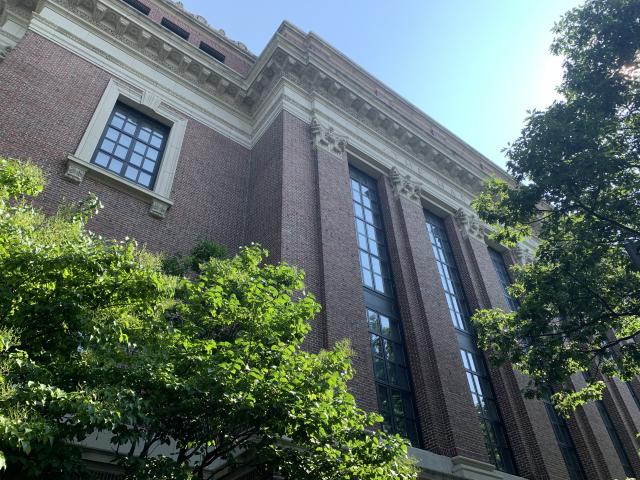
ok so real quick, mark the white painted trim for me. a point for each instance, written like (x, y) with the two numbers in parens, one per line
(121, 62)
(117, 90)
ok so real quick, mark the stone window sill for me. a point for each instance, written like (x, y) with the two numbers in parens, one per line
(78, 168)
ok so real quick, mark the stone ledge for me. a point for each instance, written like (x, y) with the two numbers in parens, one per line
(77, 169)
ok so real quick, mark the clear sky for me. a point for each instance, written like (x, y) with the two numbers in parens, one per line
(475, 66)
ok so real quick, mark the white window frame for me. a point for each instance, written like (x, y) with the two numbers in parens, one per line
(79, 163)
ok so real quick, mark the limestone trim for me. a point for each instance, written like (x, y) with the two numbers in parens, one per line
(404, 185)
(116, 91)
(470, 225)
(523, 254)
(327, 138)
(135, 49)
(3, 12)
(307, 61)
(56, 25)
(201, 23)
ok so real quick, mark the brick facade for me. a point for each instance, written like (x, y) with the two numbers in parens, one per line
(287, 188)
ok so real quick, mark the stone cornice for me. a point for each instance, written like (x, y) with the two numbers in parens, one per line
(305, 60)
(201, 23)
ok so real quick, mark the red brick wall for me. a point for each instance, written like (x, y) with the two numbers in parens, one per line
(486, 292)
(344, 311)
(301, 215)
(47, 97)
(263, 217)
(296, 202)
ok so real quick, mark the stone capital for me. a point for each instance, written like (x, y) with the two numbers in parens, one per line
(3, 12)
(327, 139)
(158, 209)
(75, 172)
(522, 254)
(404, 185)
(470, 225)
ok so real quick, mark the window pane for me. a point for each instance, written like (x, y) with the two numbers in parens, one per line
(113, 134)
(478, 381)
(115, 165)
(102, 159)
(136, 159)
(120, 152)
(387, 347)
(107, 145)
(124, 144)
(149, 165)
(144, 179)
(131, 173)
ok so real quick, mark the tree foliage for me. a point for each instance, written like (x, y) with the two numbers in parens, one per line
(198, 376)
(577, 169)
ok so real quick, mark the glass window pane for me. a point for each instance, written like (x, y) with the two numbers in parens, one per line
(144, 179)
(115, 165)
(149, 165)
(107, 145)
(376, 345)
(113, 134)
(120, 152)
(131, 173)
(374, 323)
(367, 278)
(140, 147)
(156, 141)
(378, 283)
(125, 140)
(102, 159)
(136, 159)
(130, 126)
(118, 120)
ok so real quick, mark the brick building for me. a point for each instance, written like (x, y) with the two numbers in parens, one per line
(185, 135)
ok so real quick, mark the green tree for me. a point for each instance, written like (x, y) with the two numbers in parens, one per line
(577, 172)
(208, 367)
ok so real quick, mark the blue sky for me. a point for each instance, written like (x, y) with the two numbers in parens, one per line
(475, 66)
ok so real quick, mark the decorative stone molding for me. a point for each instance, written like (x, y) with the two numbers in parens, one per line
(419, 137)
(3, 12)
(404, 185)
(4, 51)
(327, 138)
(80, 162)
(469, 224)
(522, 254)
(75, 172)
(158, 209)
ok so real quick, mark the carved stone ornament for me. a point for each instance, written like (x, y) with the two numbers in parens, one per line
(404, 185)
(4, 51)
(158, 209)
(3, 12)
(327, 138)
(75, 173)
(469, 224)
(522, 254)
